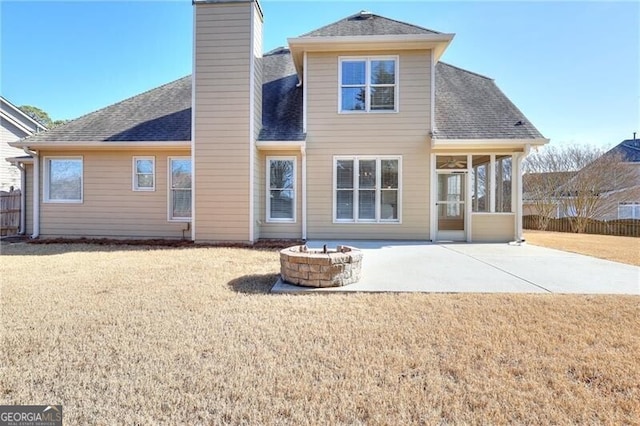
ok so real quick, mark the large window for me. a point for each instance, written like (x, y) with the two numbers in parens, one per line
(281, 189)
(628, 210)
(367, 189)
(180, 188)
(368, 84)
(63, 180)
(144, 173)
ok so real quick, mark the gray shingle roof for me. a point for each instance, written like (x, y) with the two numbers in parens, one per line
(367, 24)
(471, 106)
(281, 99)
(629, 149)
(161, 114)
(468, 106)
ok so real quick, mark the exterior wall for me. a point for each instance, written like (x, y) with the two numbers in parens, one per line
(404, 133)
(223, 143)
(9, 174)
(257, 118)
(110, 208)
(492, 227)
(28, 193)
(279, 230)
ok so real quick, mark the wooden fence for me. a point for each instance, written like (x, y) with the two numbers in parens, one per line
(9, 212)
(619, 227)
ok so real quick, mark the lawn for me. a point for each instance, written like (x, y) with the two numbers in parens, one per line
(618, 249)
(142, 335)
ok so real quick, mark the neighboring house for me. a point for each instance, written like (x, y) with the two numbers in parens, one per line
(356, 131)
(621, 200)
(15, 125)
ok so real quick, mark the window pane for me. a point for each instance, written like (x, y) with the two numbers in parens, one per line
(367, 204)
(181, 203)
(503, 184)
(65, 179)
(479, 187)
(353, 72)
(353, 99)
(382, 98)
(145, 181)
(144, 166)
(344, 173)
(344, 205)
(389, 173)
(389, 205)
(281, 204)
(383, 72)
(367, 175)
(281, 174)
(181, 173)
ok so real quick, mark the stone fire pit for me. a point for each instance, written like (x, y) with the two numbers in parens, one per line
(320, 268)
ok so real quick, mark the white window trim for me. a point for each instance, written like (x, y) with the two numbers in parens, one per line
(46, 182)
(368, 60)
(134, 174)
(356, 159)
(170, 218)
(629, 204)
(268, 217)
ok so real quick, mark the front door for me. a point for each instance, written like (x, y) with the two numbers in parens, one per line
(450, 206)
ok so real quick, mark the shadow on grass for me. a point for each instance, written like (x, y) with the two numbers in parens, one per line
(254, 284)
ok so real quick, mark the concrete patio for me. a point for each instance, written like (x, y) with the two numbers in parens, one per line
(403, 266)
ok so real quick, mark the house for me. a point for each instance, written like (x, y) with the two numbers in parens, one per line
(356, 130)
(14, 125)
(614, 179)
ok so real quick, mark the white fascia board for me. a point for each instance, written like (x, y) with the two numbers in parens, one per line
(486, 143)
(299, 45)
(23, 160)
(281, 145)
(99, 145)
(19, 111)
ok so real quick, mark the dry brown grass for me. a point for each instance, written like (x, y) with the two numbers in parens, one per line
(190, 336)
(618, 249)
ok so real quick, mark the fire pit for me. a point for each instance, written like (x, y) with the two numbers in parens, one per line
(320, 268)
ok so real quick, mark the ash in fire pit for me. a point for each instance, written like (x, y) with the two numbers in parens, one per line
(320, 268)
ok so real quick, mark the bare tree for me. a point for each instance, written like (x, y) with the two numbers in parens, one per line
(580, 180)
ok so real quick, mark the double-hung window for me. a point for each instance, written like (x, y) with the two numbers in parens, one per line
(144, 173)
(367, 189)
(63, 179)
(180, 188)
(369, 84)
(281, 189)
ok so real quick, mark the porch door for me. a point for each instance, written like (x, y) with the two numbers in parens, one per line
(451, 206)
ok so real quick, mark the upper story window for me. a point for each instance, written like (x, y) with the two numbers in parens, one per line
(144, 173)
(63, 179)
(368, 84)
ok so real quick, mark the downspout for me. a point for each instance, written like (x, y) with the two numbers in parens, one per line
(519, 158)
(304, 193)
(36, 191)
(23, 198)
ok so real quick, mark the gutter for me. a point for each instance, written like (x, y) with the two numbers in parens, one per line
(36, 191)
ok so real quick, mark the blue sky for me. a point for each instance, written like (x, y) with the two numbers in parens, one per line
(571, 67)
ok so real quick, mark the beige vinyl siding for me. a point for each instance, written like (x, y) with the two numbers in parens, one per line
(221, 133)
(257, 117)
(492, 228)
(110, 208)
(279, 230)
(9, 174)
(404, 133)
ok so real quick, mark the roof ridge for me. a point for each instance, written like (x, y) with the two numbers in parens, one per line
(357, 14)
(467, 71)
(55, 129)
(280, 50)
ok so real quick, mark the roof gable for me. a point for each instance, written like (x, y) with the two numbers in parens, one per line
(367, 24)
(629, 149)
